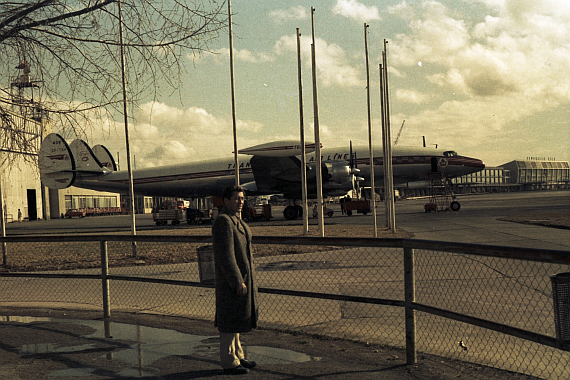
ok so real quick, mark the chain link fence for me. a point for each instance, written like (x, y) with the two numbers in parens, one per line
(480, 304)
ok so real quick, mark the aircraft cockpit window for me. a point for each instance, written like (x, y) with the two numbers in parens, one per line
(450, 153)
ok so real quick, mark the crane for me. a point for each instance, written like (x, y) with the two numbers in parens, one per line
(399, 132)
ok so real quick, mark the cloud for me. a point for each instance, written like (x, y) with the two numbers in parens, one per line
(222, 56)
(166, 135)
(356, 10)
(411, 96)
(294, 13)
(333, 65)
(493, 58)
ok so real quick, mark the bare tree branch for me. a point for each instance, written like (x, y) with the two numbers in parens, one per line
(64, 54)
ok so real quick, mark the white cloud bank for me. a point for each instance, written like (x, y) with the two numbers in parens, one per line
(356, 10)
(508, 67)
(294, 13)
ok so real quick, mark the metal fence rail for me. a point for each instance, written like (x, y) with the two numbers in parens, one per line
(481, 304)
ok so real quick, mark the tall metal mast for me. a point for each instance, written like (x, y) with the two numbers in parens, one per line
(302, 133)
(370, 146)
(126, 119)
(232, 85)
(320, 215)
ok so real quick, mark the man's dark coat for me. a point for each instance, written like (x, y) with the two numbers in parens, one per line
(234, 265)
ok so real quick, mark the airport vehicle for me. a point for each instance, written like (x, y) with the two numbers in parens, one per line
(168, 211)
(272, 168)
(71, 213)
(197, 216)
(441, 196)
(360, 206)
(257, 213)
(326, 211)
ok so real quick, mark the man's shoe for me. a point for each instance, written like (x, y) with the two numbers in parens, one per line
(247, 364)
(239, 370)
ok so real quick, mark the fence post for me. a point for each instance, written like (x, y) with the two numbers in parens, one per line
(105, 280)
(409, 298)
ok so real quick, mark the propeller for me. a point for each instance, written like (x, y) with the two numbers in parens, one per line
(354, 172)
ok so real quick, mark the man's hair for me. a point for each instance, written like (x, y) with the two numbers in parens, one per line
(230, 190)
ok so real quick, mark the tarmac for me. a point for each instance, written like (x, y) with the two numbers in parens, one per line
(38, 343)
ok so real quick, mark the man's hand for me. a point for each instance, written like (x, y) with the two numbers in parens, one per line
(242, 290)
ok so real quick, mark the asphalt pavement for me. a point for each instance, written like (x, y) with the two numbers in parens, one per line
(37, 343)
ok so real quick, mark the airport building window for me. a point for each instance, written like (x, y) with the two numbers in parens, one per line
(89, 201)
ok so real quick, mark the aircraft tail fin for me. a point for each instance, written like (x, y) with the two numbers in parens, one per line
(105, 157)
(61, 164)
(56, 162)
(85, 160)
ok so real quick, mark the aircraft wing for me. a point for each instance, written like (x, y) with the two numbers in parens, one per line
(276, 169)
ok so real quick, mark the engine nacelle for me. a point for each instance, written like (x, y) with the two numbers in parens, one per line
(337, 177)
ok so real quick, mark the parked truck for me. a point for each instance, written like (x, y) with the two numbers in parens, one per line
(197, 216)
(168, 211)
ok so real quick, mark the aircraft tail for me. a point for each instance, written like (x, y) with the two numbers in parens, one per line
(105, 157)
(61, 164)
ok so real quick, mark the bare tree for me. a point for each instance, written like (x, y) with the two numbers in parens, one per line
(69, 50)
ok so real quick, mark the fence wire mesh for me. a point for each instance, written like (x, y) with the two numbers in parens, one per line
(511, 292)
(343, 291)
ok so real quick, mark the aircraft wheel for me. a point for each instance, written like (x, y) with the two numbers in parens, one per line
(290, 213)
(330, 213)
(349, 212)
(455, 206)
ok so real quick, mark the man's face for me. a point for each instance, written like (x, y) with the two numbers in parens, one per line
(235, 203)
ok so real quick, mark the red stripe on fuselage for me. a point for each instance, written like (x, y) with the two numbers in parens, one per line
(184, 177)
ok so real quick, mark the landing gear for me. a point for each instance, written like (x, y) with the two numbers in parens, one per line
(455, 206)
(292, 213)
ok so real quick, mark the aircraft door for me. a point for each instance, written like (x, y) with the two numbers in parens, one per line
(434, 165)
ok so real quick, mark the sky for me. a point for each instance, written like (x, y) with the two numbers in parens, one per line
(487, 78)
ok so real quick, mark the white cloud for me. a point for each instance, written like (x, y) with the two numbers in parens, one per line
(333, 66)
(492, 58)
(294, 13)
(502, 70)
(222, 56)
(411, 96)
(165, 135)
(356, 10)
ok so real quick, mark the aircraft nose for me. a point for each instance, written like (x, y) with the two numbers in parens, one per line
(479, 163)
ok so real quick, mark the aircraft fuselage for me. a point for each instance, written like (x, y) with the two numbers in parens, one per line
(206, 178)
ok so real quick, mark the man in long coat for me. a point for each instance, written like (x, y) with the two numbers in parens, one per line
(236, 291)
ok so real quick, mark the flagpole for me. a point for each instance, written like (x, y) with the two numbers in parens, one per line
(302, 133)
(370, 146)
(320, 216)
(232, 85)
(126, 120)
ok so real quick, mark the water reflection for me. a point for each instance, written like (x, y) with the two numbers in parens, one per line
(150, 345)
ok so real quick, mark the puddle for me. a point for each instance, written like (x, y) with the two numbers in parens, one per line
(272, 355)
(151, 344)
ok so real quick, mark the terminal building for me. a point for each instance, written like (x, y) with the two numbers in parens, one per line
(517, 175)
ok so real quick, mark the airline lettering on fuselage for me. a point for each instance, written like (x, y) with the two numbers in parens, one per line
(335, 156)
(241, 165)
